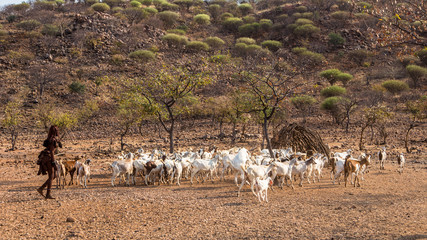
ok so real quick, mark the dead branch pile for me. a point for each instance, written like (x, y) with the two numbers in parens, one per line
(299, 139)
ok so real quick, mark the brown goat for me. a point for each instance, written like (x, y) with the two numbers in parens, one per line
(70, 167)
(354, 166)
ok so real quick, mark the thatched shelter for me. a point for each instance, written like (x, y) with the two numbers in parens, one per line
(300, 139)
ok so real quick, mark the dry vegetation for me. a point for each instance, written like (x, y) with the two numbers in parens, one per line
(123, 75)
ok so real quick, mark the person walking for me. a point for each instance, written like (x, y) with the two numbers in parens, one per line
(47, 160)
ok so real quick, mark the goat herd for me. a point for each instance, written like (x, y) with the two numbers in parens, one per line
(259, 171)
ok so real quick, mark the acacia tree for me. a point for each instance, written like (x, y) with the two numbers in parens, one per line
(418, 113)
(220, 108)
(12, 120)
(269, 89)
(166, 88)
(370, 118)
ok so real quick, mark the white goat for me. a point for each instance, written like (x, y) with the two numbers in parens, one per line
(253, 172)
(401, 162)
(382, 155)
(122, 167)
(201, 165)
(83, 173)
(261, 188)
(282, 170)
(315, 169)
(300, 167)
(238, 164)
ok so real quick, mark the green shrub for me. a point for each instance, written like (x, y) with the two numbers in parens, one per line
(246, 40)
(158, 3)
(302, 102)
(297, 15)
(303, 21)
(282, 17)
(51, 30)
(422, 55)
(136, 4)
(301, 9)
(150, 10)
(28, 25)
(183, 27)
(249, 29)
(409, 59)
(100, 7)
(340, 15)
(169, 18)
(3, 33)
(225, 16)
(252, 48)
(330, 75)
(118, 59)
(113, 3)
(176, 31)
(364, 5)
(245, 8)
(308, 15)
(21, 7)
(359, 56)
(90, 2)
(215, 10)
(336, 39)
(45, 5)
(184, 3)
(330, 103)
(312, 57)
(116, 9)
(416, 73)
(219, 2)
(142, 55)
(232, 23)
(265, 24)
(214, 42)
(197, 46)
(272, 45)
(167, 6)
(333, 91)
(395, 86)
(299, 50)
(11, 18)
(240, 48)
(219, 58)
(77, 87)
(202, 19)
(146, 2)
(306, 30)
(135, 14)
(344, 78)
(249, 19)
(174, 39)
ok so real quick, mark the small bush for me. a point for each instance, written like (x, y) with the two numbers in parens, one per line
(197, 46)
(422, 55)
(225, 16)
(271, 45)
(136, 4)
(28, 25)
(174, 39)
(306, 30)
(395, 86)
(45, 5)
(169, 18)
(215, 10)
(177, 31)
(21, 7)
(330, 103)
(113, 3)
(282, 17)
(249, 29)
(150, 10)
(135, 14)
(312, 57)
(214, 42)
(11, 18)
(265, 24)
(100, 7)
(116, 9)
(301, 9)
(167, 6)
(219, 58)
(91, 2)
(146, 2)
(202, 19)
(299, 50)
(302, 102)
(252, 48)
(118, 59)
(240, 48)
(303, 21)
(245, 8)
(336, 39)
(142, 55)
(364, 5)
(359, 56)
(249, 19)
(246, 40)
(416, 73)
(409, 59)
(232, 23)
(340, 15)
(334, 75)
(344, 78)
(51, 30)
(77, 87)
(333, 91)
(308, 15)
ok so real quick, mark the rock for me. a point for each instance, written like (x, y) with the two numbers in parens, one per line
(70, 219)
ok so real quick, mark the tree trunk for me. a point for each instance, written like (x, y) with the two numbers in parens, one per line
(263, 139)
(348, 122)
(267, 138)
(122, 144)
(233, 138)
(411, 126)
(221, 129)
(361, 137)
(14, 136)
(171, 143)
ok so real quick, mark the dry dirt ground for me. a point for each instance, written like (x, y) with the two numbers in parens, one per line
(388, 205)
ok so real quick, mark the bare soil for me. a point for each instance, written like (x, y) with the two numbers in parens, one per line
(388, 205)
